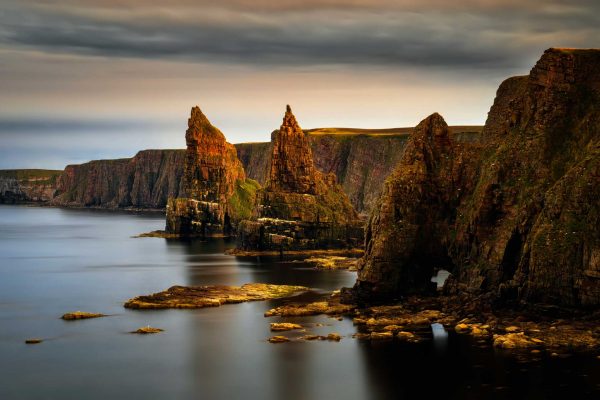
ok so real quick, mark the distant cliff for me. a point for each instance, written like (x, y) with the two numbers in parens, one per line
(515, 217)
(145, 181)
(361, 159)
(27, 185)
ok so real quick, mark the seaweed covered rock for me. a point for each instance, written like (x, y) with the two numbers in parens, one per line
(214, 192)
(517, 218)
(300, 207)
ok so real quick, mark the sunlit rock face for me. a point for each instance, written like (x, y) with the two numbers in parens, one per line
(146, 180)
(518, 217)
(300, 207)
(214, 191)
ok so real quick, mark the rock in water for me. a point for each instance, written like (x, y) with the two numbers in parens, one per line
(278, 339)
(517, 218)
(212, 296)
(145, 330)
(81, 315)
(284, 326)
(300, 207)
(214, 192)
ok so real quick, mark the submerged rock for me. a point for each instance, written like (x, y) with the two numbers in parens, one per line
(81, 315)
(33, 341)
(212, 296)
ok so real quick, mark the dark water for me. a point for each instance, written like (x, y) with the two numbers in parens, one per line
(53, 261)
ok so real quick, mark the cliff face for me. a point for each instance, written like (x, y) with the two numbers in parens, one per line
(518, 218)
(300, 207)
(27, 185)
(361, 159)
(144, 181)
(214, 190)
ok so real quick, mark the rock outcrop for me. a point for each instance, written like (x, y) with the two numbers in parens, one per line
(214, 192)
(517, 218)
(300, 207)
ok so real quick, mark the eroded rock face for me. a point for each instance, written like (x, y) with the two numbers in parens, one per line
(300, 207)
(517, 218)
(214, 192)
(211, 164)
(146, 180)
(407, 233)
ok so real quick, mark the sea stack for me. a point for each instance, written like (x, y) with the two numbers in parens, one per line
(214, 189)
(300, 207)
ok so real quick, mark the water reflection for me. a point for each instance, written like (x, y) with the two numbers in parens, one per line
(440, 337)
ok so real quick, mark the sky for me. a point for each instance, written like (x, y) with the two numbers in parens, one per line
(91, 79)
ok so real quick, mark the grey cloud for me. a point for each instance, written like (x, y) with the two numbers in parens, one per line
(381, 33)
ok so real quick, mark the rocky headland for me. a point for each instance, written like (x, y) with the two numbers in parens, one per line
(300, 208)
(515, 216)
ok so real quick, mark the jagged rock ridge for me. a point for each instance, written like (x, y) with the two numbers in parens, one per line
(522, 214)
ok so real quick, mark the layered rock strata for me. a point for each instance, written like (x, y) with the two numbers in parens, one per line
(300, 207)
(145, 181)
(214, 192)
(518, 218)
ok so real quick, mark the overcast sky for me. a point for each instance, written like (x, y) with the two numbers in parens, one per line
(88, 79)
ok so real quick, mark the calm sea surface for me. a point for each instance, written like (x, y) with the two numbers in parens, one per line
(54, 261)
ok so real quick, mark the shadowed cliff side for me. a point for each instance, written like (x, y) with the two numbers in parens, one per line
(300, 207)
(214, 189)
(519, 218)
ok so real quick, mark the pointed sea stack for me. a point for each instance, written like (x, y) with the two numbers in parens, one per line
(300, 207)
(217, 193)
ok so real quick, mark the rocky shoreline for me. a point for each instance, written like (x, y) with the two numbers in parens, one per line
(530, 330)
